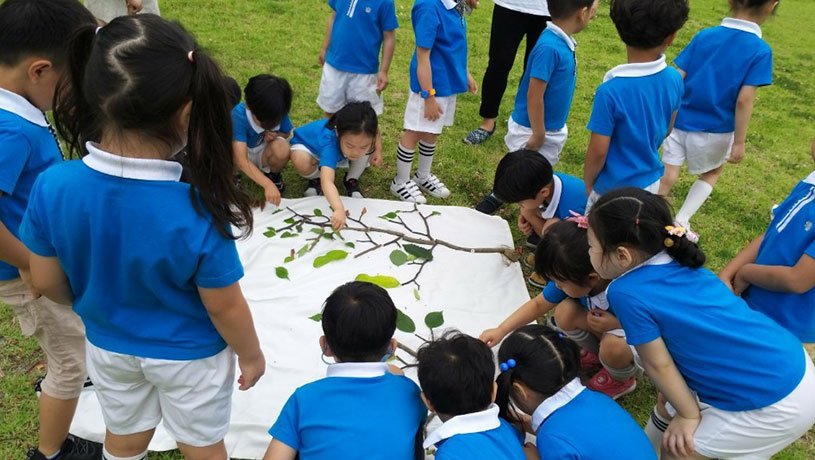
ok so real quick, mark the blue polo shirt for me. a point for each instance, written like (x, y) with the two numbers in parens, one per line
(709, 332)
(439, 28)
(475, 436)
(634, 106)
(135, 251)
(791, 236)
(553, 61)
(554, 295)
(356, 35)
(245, 130)
(359, 411)
(718, 62)
(320, 141)
(568, 195)
(27, 148)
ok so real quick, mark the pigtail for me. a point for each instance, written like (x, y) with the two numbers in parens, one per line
(684, 251)
(502, 397)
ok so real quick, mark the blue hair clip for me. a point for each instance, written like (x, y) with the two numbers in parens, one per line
(510, 364)
(560, 334)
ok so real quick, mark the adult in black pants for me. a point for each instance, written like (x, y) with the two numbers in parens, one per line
(511, 21)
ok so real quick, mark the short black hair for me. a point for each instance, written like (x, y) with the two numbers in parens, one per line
(563, 254)
(646, 24)
(562, 9)
(39, 28)
(269, 98)
(750, 4)
(456, 373)
(355, 117)
(359, 320)
(520, 175)
(233, 90)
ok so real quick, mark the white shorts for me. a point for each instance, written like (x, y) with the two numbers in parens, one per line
(344, 163)
(414, 114)
(702, 151)
(594, 196)
(760, 433)
(518, 135)
(338, 88)
(255, 155)
(194, 398)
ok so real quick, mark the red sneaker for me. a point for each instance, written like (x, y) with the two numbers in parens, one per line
(589, 361)
(606, 384)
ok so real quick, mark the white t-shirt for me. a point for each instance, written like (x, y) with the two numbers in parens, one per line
(536, 7)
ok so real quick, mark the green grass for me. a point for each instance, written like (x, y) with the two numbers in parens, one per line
(284, 37)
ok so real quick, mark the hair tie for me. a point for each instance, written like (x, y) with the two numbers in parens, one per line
(97, 30)
(189, 56)
(510, 364)
(580, 220)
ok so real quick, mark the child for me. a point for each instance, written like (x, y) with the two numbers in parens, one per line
(148, 263)
(775, 274)
(319, 147)
(360, 410)
(456, 373)
(350, 54)
(741, 386)
(259, 131)
(544, 97)
(578, 295)
(438, 71)
(32, 39)
(635, 106)
(720, 87)
(539, 376)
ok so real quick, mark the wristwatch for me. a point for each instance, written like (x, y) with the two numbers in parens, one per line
(427, 93)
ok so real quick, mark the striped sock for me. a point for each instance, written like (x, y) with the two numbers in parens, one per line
(655, 429)
(619, 373)
(404, 161)
(426, 152)
(586, 340)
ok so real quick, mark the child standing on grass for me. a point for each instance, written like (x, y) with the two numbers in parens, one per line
(361, 409)
(635, 106)
(438, 72)
(739, 385)
(149, 263)
(722, 67)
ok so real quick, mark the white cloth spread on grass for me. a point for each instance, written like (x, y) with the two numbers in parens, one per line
(475, 292)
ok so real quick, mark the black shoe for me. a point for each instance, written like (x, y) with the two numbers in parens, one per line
(489, 204)
(73, 448)
(352, 187)
(314, 188)
(277, 179)
(533, 241)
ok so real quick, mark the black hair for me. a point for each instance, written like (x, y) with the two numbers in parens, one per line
(751, 4)
(636, 218)
(233, 90)
(545, 361)
(39, 28)
(355, 118)
(269, 98)
(563, 254)
(456, 373)
(359, 320)
(646, 24)
(135, 74)
(520, 175)
(562, 9)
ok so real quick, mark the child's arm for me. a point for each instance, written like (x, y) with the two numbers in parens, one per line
(12, 250)
(333, 196)
(663, 373)
(534, 107)
(388, 45)
(533, 218)
(528, 312)
(279, 451)
(595, 159)
(797, 279)
(229, 312)
(747, 255)
(48, 277)
(240, 156)
(432, 110)
(327, 42)
(744, 109)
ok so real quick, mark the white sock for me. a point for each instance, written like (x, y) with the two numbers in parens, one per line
(586, 340)
(357, 167)
(49, 457)
(314, 175)
(107, 456)
(404, 161)
(619, 373)
(697, 195)
(655, 429)
(426, 152)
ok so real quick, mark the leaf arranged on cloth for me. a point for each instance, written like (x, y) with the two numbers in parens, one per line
(339, 235)
(416, 294)
(290, 220)
(299, 228)
(350, 245)
(388, 216)
(318, 317)
(270, 232)
(434, 213)
(282, 273)
(328, 236)
(318, 231)
(404, 323)
(330, 256)
(434, 319)
(383, 281)
(277, 211)
(317, 212)
(288, 235)
(288, 259)
(418, 251)
(398, 257)
(302, 251)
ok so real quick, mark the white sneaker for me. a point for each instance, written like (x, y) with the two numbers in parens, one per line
(408, 191)
(432, 185)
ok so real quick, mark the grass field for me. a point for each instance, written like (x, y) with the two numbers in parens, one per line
(284, 37)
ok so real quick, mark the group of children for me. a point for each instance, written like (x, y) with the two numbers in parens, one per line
(149, 265)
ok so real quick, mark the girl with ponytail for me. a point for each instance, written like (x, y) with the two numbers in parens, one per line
(738, 385)
(148, 263)
(540, 378)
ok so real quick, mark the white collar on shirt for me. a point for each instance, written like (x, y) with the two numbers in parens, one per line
(564, 396)
(449, 4)
(557, 190)
(640, 69)
(18, 105)
(660, 258)
(560, 33)
(810, 179)
(131, 168)
(360, 370)
(741, 24)
(464, 424)
(258, 129)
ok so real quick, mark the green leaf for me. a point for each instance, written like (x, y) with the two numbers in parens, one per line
(411, 257)
(416, 294)
(290, 220)
(383, 281)
(282, 273)
(317, 212)
(351, 245)
(288, 235)
(328, 236)
(277, 211)
(388, 216)
(318, 317)
(318, 231)
(339, 235)
(398, 257)
(419, 252)
(330, 256)
(404, 323)
(434, 213)
(299, 228)
(302, 251)
(434, 319)
(288, 259)
(270, 232)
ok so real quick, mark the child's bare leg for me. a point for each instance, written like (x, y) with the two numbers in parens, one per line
(616, 357)
(216, 451)
(669, 178)
(570, 317)
(55, 416)
(277, 154)
(304, 164)
(128, 445)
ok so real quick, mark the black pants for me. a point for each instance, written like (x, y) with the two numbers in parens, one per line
(507, 31)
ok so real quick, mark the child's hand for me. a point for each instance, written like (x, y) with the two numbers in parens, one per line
(252, 369)
(472, 86)
(492, 336)
(269, 136)
(25, 275)
(381, 81)
(395, 370)
(531, 452)
(535, 142)
(338, 219)
(736, 154)
(272, 194)
(739, 284)
(728, 279)
(678, 437)
(432, 110)
(601, 321)
(321, 57)
(525, 226)
(376, 159)
(133, 6)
